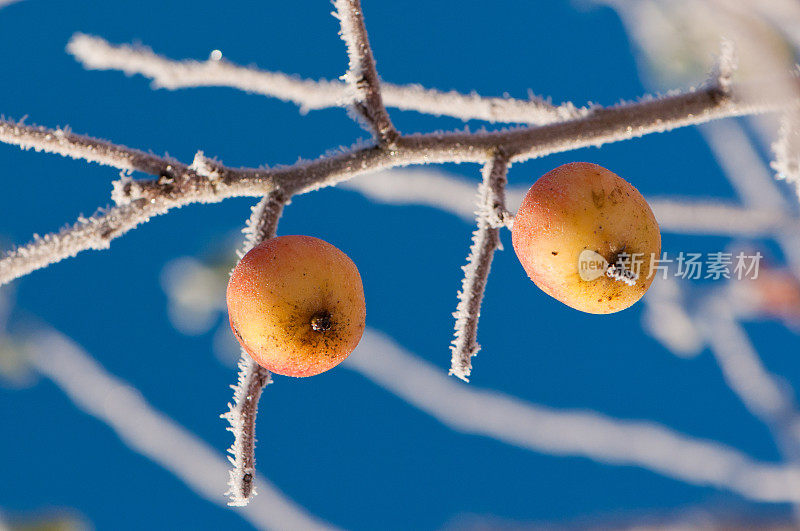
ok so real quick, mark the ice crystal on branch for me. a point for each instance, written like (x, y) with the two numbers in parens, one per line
(490, 215)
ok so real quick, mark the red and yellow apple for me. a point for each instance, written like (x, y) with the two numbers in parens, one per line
(296, 305)
(582, 215)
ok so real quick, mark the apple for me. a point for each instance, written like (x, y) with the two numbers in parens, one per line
(588, 238)
(296, 305)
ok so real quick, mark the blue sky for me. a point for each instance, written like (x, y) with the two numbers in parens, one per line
(339, 445)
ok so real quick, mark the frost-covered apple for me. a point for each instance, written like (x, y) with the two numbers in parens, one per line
(588, 238)
(296, 305)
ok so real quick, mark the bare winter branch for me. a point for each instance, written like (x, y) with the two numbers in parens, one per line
(242, 413)
(361, 74)
(97, 54)
(68, 144)
(485, 240)
(95, 232)
(242, 418)
(263, 222)
(180, 185)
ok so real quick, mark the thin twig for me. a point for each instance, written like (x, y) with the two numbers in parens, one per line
(62, 141)
(242, 413)
(181, 185)
(485, 240)
(263, 222)
(242, 419)
(96, 53)
(361, 74)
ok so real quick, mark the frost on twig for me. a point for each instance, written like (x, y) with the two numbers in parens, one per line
(95, 232)
(98, 54)
(263, 222)
(491, 215)
(206, 167)
(68, 144)
(241, 415)
(361, 74)
(787, 150)
(724, 68)
(242, 418)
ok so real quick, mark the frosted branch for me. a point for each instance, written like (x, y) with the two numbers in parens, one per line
(485, 240)
(97, 54)
(361, 75)
(155, 435)
(67, 144)
(242, 413)
(95, 232)
(242, 418)
(560, 432)
(263, 222)
(180, 185)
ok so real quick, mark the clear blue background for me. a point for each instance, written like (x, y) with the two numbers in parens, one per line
(338, 444)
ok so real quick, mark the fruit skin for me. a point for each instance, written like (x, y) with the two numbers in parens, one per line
(581, 206)
(296, 305)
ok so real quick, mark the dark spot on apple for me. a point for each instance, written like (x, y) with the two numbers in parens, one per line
(321, 321)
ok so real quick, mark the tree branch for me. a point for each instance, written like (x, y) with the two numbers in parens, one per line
(95, 53)
(241, 415)
(62, 141)
(180, 185)
(361, 74)
(242, 418)
(485, 240)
